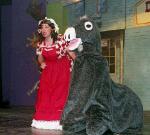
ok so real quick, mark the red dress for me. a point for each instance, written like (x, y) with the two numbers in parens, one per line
(54, 83)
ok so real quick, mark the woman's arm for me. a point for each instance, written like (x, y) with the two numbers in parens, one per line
(41, 61)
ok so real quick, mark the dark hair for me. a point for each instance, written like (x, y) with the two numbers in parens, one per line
(53, 34)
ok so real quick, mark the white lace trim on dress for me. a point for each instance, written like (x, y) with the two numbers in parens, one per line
(52, 125)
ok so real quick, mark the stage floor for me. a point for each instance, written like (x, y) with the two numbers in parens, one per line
(17, 121)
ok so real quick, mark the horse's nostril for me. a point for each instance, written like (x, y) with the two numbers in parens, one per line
(88, 26)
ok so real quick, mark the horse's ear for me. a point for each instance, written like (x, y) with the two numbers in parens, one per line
(95, 18)
(83, 17)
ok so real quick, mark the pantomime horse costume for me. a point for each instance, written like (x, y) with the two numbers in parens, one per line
(96, 105)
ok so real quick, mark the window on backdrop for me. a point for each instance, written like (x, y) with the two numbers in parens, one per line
(109, 51)
(112, 50)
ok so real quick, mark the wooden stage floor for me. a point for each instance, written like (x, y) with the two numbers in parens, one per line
(17, 120)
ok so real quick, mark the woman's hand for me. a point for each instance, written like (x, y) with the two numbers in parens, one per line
(71, 54)
(43, 65)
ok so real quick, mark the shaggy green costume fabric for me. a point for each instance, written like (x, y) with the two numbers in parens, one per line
(96, 105)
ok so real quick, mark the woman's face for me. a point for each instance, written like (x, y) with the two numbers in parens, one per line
(46, 30)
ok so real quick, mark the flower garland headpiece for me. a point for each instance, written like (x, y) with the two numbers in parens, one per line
(52, 21)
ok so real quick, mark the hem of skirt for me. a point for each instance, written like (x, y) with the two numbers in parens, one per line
(43, 124)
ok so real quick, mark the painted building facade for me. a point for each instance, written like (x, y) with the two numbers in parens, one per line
(124, 26)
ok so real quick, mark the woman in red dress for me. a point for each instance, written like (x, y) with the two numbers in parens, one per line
(55, 62)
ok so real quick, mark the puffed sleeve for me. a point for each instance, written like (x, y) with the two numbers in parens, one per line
(61, 46)
(39, 48)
